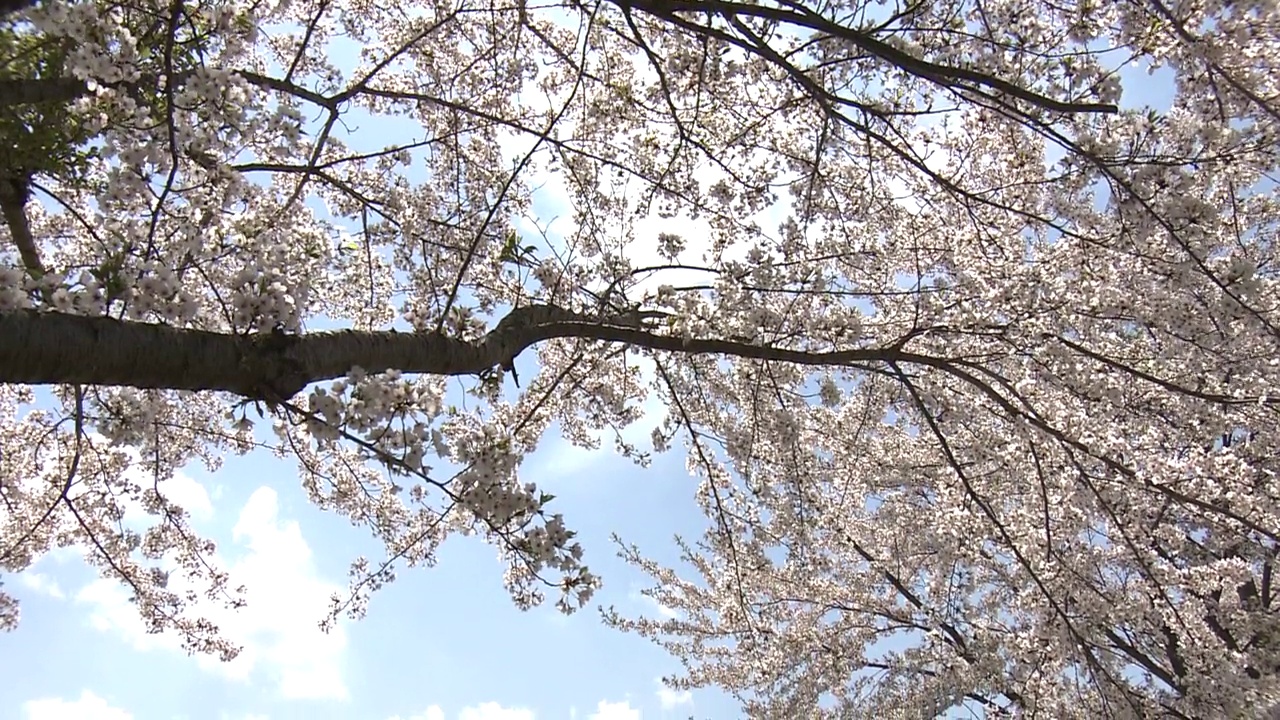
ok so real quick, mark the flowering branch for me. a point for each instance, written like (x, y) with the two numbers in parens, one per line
(50, 347)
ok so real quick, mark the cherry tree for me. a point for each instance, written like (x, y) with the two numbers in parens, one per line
(974, 361)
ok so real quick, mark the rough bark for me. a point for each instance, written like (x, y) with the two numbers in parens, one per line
(39, 348)
(12, 6)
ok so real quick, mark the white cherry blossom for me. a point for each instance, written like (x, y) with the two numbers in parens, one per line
(965, 314)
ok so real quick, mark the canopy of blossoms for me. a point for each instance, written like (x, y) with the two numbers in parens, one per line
(975, 360)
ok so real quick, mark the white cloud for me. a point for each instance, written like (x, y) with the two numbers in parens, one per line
(494, 711)
(88, 707)
(671, 699)
(42, 584)
(431, 713)
(180, 488)
(190, 495)
(278, 627)
(653, 605)
(483, 711)
(615, 711)
(561, 458)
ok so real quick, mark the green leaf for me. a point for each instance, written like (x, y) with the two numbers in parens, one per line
(510, 245)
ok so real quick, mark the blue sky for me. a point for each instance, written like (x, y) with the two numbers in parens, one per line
(437, 644)
(443, 643)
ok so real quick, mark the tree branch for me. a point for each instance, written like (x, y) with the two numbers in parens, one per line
(944, 75)
(49, 348)
(14, 193)
(8, 7)
(37, 91)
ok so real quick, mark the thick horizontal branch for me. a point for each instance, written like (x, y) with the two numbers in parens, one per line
(38, 91)
(38, 348)
(8, 7)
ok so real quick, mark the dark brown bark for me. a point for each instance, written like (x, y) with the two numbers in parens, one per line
(820, 26)
(49, 348)
(8, 7)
